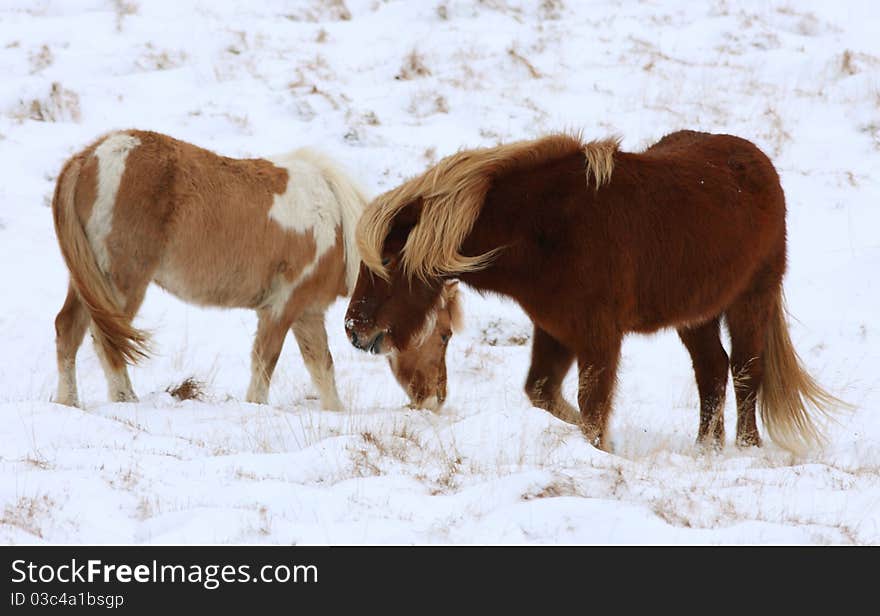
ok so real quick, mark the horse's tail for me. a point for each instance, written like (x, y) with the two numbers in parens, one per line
(352, 201)
(788, 392)
(121, 342)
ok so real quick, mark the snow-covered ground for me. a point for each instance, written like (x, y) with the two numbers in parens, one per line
(389, 87)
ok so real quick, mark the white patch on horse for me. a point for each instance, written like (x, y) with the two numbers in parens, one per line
(111, 155)
(426, 329)
(429, 323)
(350, 201)
(277, 301)
(308, 204)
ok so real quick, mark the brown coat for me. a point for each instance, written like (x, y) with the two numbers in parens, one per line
(274, 235)
(595, 243)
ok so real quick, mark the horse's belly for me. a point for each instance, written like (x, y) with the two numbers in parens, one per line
(691, 296)
(209, 285)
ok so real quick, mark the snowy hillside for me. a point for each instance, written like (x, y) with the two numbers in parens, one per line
(389, 87)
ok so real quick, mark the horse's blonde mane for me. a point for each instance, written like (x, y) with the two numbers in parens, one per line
(452, 194)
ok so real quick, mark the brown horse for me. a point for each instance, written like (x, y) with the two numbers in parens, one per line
(595, 243)
(273, 235)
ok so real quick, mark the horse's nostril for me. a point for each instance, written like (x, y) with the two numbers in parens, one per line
(376, 342)
(354, 340)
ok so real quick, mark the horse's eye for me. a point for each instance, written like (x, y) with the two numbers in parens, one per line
(386, 261)
(444, 337)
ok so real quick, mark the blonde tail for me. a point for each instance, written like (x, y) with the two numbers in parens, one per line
(121, 342)
(790, 399)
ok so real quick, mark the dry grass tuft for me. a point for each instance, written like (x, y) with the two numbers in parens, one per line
(846, 64)
(854, 62)
(25, 513)
(564, 486)
(399, 445)
(189, 389)
(147, 508)
(370, 118)
(40, 59)
(413, 67)
(424, 104)
(123, 9)
(303, 85)
(777, 135)
(125, 480)
(322, 10)
(669, 511)
(61, 105)
(873, 131)
(338, 9)
(521, 59)
(38, 461)
(448, 481)
(551, 9)
(265, 527)
(362, 464)
(495, 334)
(160, 60)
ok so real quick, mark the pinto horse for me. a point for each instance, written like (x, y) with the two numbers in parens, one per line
(595, 243)
(274, 235)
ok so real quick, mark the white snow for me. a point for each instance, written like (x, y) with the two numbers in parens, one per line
(387, 92)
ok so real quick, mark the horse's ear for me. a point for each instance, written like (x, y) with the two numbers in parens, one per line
(407, 218)
(453, 303)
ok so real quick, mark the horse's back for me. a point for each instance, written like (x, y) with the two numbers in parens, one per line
(214, 230)
(679, 139)
(721, 154)
(701, 214)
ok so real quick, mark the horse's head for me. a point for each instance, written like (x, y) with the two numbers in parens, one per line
(412, 328)
(420, 368)
(410, 241)
(410, 319)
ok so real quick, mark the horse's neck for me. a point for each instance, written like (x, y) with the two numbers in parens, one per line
(350, 201)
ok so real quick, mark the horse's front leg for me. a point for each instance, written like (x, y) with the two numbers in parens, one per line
(597, 376)
(311, 335)
(550, 363)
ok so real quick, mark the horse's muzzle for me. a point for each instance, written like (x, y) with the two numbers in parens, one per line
(373, 345)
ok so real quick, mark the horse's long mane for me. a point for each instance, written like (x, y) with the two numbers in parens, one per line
(452, 193)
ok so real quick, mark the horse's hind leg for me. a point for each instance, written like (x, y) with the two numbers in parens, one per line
(710, 368)
(119, 387)
(271, 330)
(70, 329)
(550, 363)
(311, 335)
(748, 319)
